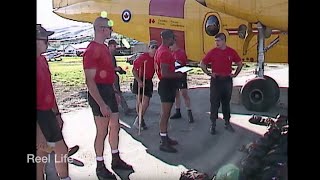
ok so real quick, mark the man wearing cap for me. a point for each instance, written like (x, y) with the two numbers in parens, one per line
(138, 73)
(48, 116)
(181, 57)
(100, 76)
(112, 44)
(165, 69)
(221, 58)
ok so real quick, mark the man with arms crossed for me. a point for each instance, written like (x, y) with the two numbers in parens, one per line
(100, 76)
(165, 69)
(221, 59)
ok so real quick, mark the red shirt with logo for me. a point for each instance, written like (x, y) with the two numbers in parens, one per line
(45, 94)
(180, 56)
(97, 56)
(163, 56)
(221, 60)
(138, 65)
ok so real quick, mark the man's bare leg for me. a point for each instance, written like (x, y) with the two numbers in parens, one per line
(62, 165)
(41, 141)
(102, 124)
(145, 106)
(102, 131)
(184, 93)
(114, 126)
(177, 114)
(166, 142)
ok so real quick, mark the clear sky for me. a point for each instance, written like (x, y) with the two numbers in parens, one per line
(48, 19)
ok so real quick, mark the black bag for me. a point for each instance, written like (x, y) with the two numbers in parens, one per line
(193, 174)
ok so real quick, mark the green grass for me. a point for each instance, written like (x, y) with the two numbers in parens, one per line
(69, 71)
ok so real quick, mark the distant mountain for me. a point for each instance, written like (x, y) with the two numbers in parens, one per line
(73, 31)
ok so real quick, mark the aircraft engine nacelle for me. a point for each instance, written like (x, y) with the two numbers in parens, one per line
(271, 13)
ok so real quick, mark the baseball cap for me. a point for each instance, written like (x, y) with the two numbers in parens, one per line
(153, 42)
(42, 33)
(112, 41)
(166, 34)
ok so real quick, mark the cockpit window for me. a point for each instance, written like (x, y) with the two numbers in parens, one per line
(212, 25)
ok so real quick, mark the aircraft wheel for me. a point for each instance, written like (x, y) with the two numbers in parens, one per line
(260, 94)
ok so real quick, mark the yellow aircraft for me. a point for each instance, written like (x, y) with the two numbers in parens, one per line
(195, 23)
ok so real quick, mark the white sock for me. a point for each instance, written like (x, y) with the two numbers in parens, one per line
(99, 158)
(163, 134)
(114, 151)
(51, 144)
(67, 178)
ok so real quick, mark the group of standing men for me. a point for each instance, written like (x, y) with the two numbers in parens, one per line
(99, 68)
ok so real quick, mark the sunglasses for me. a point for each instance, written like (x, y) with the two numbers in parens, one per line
(45, 40)
(154, 47)
(109, 27)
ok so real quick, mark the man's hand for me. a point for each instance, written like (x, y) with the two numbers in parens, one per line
(213, 75)
(59, 120)
(118, 98)
(180, 75)
(233, 75)
(105, 110)
(120, 70)
(140, 84)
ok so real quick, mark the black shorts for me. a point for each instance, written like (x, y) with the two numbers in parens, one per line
(167, 90)
(49, 125)
(148, 90)
(107, 93)
(182, 82)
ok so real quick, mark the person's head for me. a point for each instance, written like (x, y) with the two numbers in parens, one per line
(167, 37)
(102, 28)
(220, 40)
(153, 46)
(174, 46)
(112, 44)
(42, 39)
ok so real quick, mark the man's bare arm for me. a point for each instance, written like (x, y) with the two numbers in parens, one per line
(205, 68)
(239, 67)
(165, 73)
(92, 86)
(136, 75)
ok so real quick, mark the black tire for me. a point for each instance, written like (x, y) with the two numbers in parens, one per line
(260, 94)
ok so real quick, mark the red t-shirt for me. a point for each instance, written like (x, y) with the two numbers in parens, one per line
(163, 56)
(139, 64)
(221, 60)
(180, 56)
(97, 56)
(45, 94)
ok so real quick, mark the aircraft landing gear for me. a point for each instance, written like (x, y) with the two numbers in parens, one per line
(262, 92)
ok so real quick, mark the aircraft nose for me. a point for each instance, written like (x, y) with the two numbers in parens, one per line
(80, 10)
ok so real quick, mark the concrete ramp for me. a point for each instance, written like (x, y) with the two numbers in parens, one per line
(197, 148)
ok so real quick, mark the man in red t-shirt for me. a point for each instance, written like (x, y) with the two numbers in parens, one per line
(137, 71)
(112, 44)
(181, 57)
(49, 122)
(221, 59)
(100, 76)
(165, 69)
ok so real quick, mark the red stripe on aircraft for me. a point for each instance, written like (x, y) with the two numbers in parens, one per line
(155, 35)
(167, 8)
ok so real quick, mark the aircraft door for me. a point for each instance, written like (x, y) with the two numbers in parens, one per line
(210, 28)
